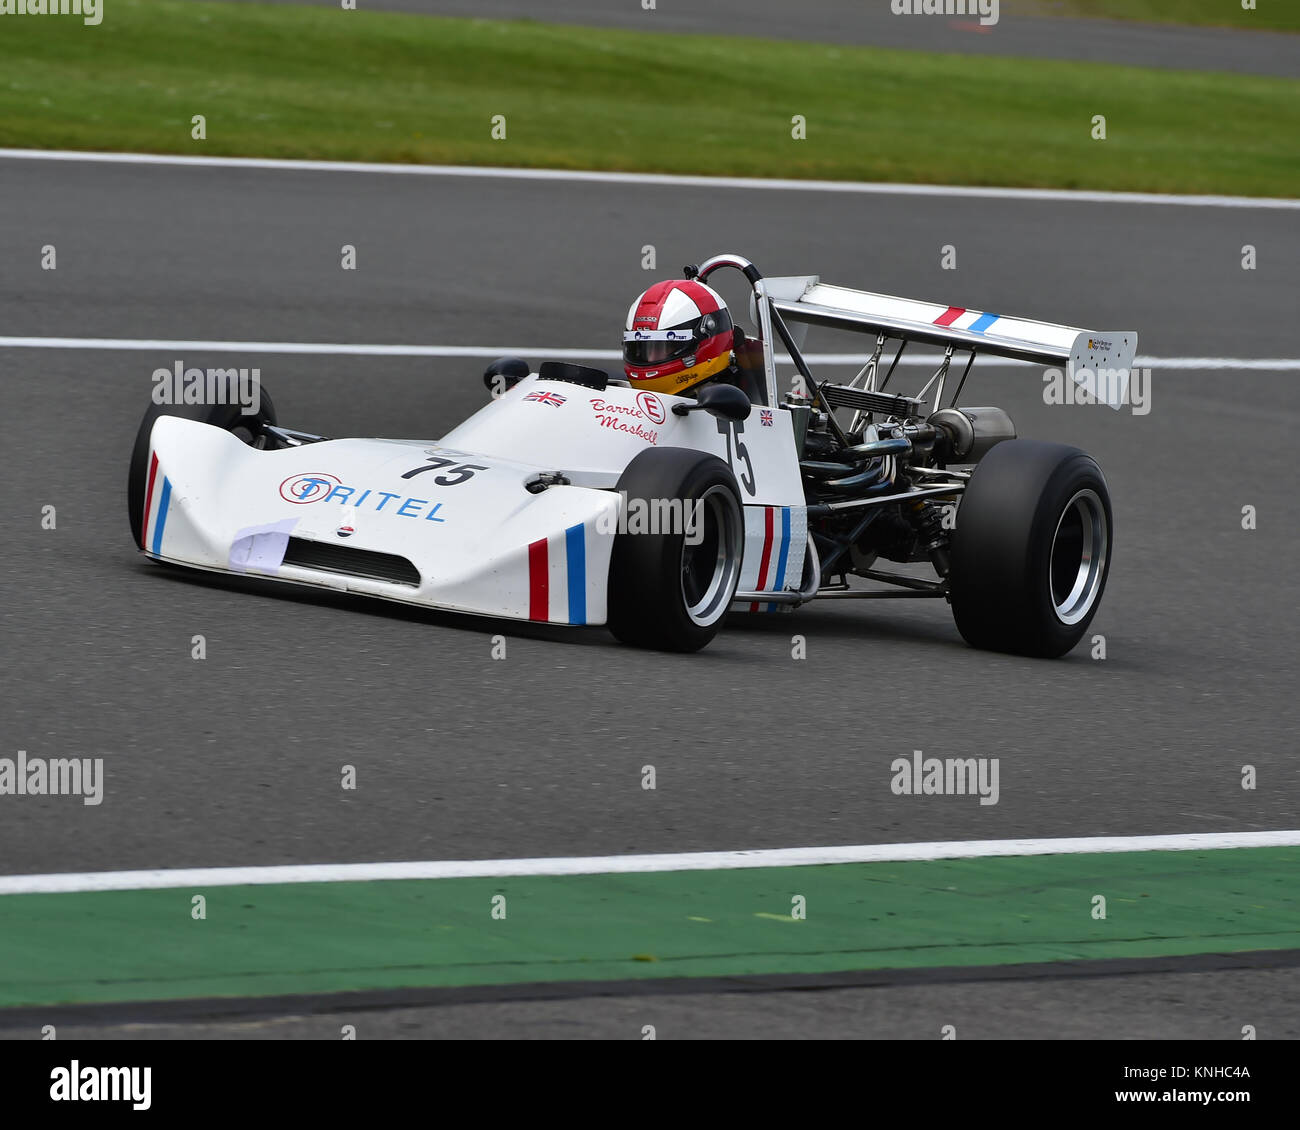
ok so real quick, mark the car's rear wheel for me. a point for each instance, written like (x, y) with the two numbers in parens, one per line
(250, 428)
(671, 588)
(1031, 550)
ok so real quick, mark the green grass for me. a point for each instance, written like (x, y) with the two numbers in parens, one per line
(1268, 15)
(355, 85)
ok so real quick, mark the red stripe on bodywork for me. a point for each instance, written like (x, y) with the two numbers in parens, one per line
(949, 316)
(148, 503)
(538, 582)
(766, 559)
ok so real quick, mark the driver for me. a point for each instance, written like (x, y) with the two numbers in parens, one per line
(678, 335)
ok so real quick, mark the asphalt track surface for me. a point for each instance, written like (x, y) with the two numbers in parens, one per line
(871, 23)
(1173, 1005)
(236, 759)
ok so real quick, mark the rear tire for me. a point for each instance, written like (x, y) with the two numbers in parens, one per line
(1031, 551)
(663, 592)
(228, 417)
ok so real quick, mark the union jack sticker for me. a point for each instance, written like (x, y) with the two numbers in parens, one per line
(547, 398)
(765, 417)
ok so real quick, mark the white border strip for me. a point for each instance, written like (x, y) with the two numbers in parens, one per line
(627, 864)
(341, 349)
(665, 179)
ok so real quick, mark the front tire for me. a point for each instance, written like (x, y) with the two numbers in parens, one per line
(1031, 551)
(229, 417)
(665, 592)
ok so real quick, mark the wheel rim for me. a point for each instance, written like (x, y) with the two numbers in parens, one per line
(711, 568)
(1077, 565)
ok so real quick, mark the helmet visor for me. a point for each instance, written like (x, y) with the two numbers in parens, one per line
(656, 347)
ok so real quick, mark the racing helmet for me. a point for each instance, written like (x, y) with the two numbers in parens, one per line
(678, 333)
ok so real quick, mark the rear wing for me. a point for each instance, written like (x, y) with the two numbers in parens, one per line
(1082, 353)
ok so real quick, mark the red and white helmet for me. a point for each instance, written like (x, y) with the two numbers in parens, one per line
(678, 334)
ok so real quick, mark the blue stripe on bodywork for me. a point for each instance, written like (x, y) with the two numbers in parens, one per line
(575, 545)
(980, 324)
(162, 515)
(785, 554)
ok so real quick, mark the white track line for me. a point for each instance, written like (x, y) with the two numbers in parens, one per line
(504, 173)
(628, 864)
(1265, 364)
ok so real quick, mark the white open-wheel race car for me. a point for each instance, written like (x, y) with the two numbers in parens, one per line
(573, 498)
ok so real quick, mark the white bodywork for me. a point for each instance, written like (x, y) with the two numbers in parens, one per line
(451, 524)
(478, 540)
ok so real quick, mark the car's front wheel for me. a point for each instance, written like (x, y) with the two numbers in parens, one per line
(670, 588)
(1031, 550)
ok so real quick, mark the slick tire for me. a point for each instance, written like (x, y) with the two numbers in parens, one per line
(669, 591)
(1031, 549)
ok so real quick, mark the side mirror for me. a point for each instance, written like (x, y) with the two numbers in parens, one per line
(504, 373)
(726, 402)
